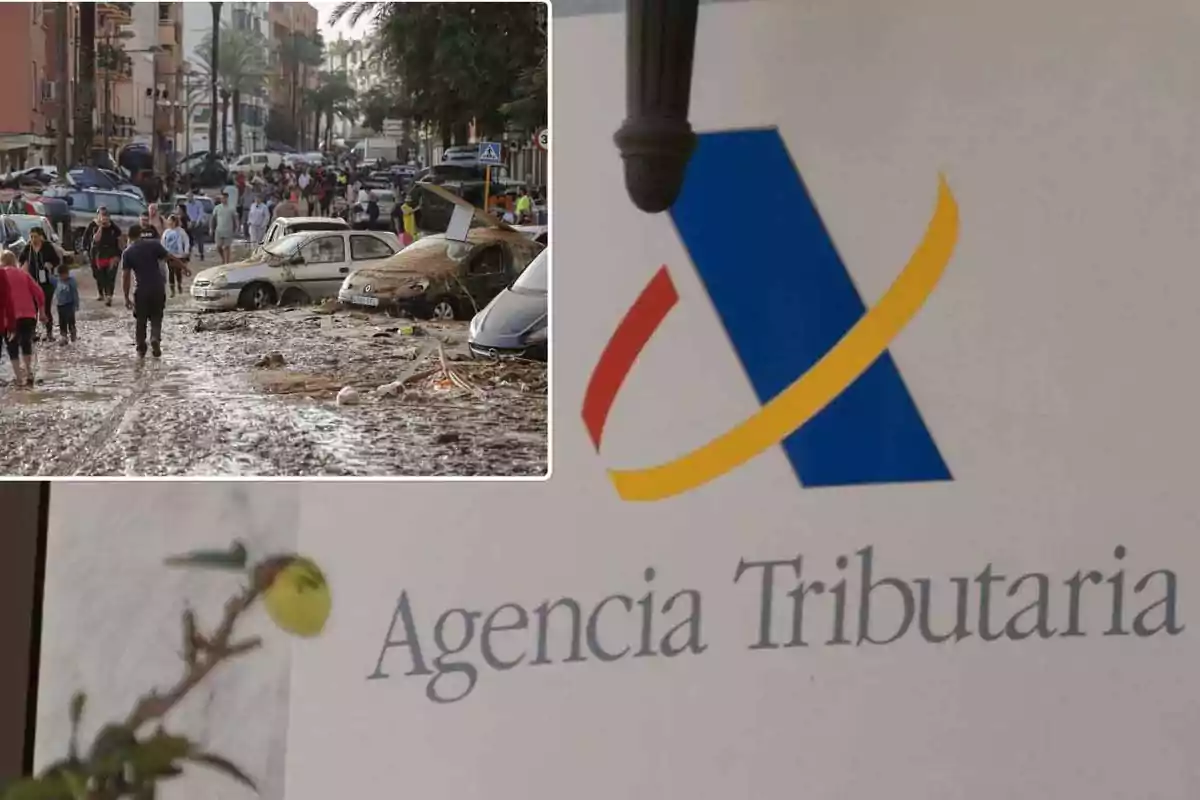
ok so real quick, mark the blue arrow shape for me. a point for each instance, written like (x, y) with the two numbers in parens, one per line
(785, 298)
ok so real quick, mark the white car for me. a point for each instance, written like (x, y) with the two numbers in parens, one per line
(299, 268)
(286, 226)
(256, 162)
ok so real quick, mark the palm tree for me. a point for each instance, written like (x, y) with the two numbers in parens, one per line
(334, 96)
(214, 57)
(299, 54)
(241, 72)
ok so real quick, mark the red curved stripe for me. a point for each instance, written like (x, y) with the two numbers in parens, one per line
(623, 349)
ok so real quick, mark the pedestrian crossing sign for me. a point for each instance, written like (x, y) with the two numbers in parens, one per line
(489, 153)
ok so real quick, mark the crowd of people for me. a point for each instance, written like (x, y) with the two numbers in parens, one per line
(37, 288)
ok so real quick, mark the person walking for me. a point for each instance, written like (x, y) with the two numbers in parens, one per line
(258, 218)
(224, 225)
(41, 261)
(27, 304)
(142, 260)
(156, 218)
(66, 302)
(175, 241)
(195, 212)
(286, 208)
(103, 241)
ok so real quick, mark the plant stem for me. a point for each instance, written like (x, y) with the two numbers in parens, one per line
(209, 652)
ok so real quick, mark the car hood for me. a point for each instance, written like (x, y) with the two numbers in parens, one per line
(388, 284)
(226, 269)
(508, 319)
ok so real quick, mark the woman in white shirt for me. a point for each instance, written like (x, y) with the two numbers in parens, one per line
(175, 241)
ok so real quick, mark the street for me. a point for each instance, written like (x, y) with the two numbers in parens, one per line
(256, 394)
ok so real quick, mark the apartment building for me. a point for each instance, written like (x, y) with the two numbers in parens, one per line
(196, 26)
(26, 88)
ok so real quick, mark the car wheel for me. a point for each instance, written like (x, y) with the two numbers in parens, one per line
(442, 310)
(256, 296)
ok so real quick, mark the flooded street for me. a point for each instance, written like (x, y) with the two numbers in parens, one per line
(256, 394)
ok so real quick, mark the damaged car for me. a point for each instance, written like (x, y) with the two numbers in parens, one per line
(516, 323)
(297, 269)
(442, 279)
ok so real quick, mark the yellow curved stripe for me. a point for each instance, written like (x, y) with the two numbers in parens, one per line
(857, 350)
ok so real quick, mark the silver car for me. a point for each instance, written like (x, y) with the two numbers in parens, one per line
(123, 208)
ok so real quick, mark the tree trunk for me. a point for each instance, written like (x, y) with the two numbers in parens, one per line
(237, 121)
(461, 133)
(225, 124)
(212, 86)
(316, 140)
(85, 97)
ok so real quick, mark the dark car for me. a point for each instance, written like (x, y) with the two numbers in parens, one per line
(515, 323)
(465, 179)
(436, 278)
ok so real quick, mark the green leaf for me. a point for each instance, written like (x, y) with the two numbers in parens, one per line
(224, 765)
(45, 788)
(157, 756)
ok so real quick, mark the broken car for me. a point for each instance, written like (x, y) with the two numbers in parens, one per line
(515, 323)
(436, 278)
(299, 268)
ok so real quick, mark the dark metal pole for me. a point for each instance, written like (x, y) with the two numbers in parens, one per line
(656, 139)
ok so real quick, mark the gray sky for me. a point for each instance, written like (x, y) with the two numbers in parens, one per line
(324, 9)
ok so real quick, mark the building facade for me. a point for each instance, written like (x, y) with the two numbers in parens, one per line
(197, 27)
(27, 86)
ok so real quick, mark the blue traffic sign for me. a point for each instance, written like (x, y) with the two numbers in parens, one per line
(489, 153)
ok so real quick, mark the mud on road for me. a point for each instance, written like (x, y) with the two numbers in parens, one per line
(256, 394)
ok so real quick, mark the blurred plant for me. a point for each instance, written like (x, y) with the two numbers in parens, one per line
(124, 761)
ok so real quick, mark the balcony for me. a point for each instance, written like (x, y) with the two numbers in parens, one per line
(166, 34)
(117, 13)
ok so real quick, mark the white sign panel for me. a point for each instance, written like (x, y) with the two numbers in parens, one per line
(874, 457)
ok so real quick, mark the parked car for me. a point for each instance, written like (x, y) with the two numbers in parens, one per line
(299, 268)
(286, 226)
(462, 178)
(206, 203)
(27, 222)
(516, 322)
(256, 162)
(539, 233)
(10, 234)
(123, 208)
(436, 278)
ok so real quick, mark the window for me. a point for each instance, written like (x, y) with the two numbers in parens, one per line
(164, 12)
(11, 231)
(325, 250)
(365, 248)
(129, 206)
(488, 262)
(82, 201)
(535, 277)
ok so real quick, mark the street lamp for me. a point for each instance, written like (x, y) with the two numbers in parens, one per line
(656, 139)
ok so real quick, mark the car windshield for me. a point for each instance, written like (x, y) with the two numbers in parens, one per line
(287, 245)
(536, 275)
(27, 223)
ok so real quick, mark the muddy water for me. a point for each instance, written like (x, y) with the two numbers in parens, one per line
(243, 394)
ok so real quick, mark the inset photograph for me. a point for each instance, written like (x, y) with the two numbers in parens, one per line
(276, 240)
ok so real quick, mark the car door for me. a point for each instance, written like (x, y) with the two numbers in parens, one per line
(487, 273)
(323, 267)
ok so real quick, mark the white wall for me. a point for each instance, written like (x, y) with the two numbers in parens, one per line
(112, 620)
